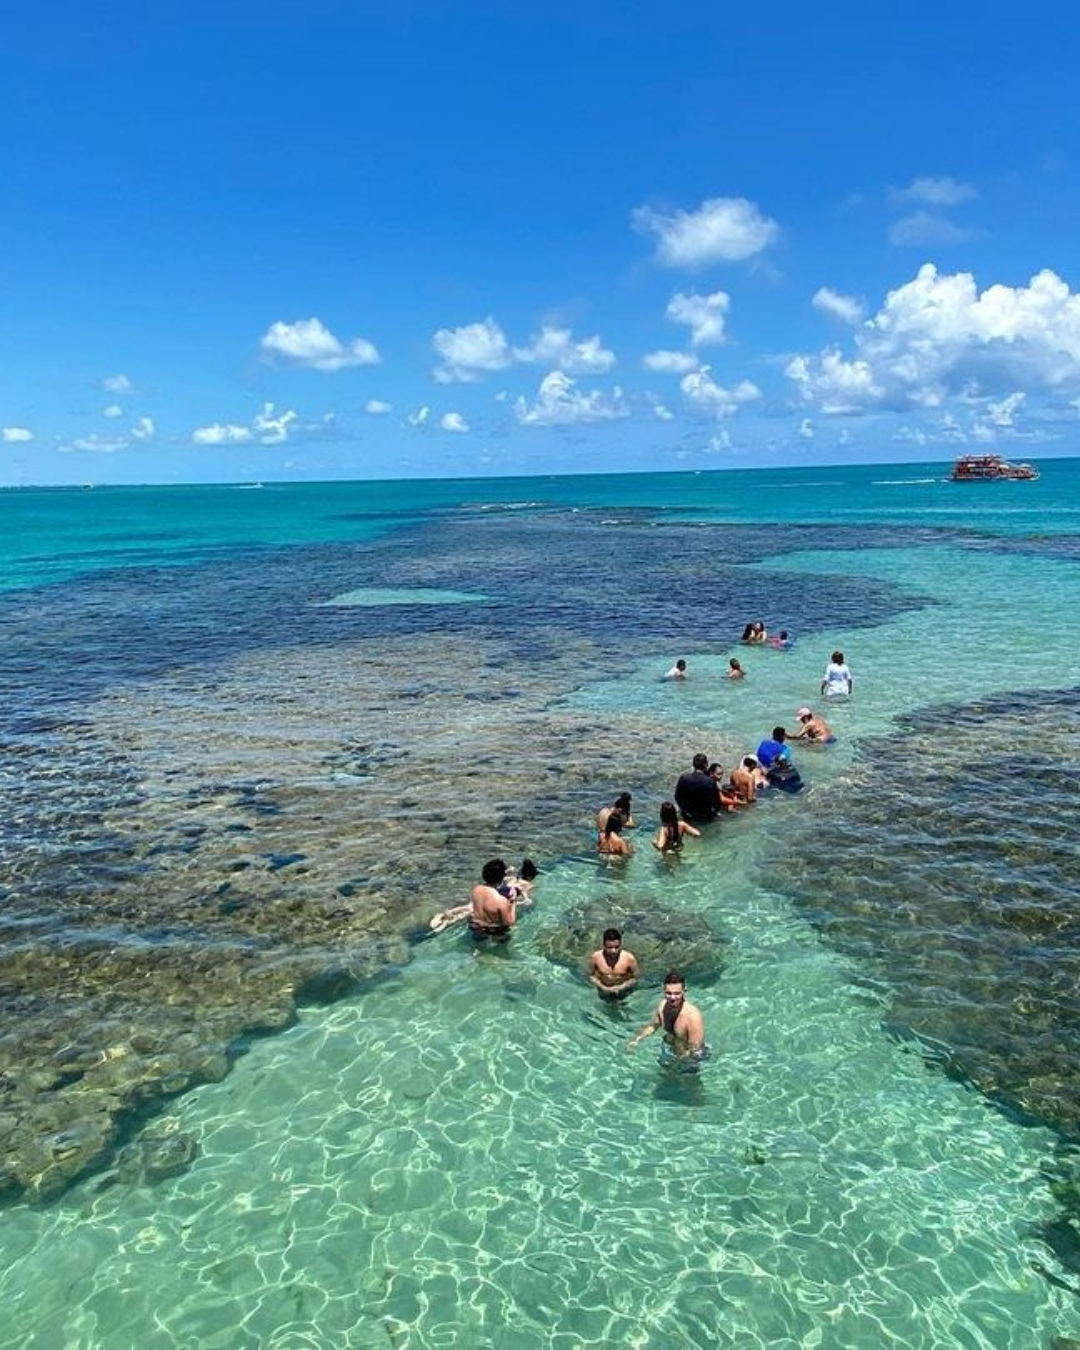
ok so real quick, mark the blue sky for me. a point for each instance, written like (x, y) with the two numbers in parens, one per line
(347, 240)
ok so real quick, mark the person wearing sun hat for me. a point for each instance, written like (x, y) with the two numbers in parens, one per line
(813, 729)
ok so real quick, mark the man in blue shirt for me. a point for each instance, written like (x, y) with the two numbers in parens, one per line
(772, 753)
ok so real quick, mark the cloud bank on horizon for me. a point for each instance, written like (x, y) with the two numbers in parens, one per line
(547, 277)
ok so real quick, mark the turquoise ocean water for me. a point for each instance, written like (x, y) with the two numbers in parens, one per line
(462, 1152)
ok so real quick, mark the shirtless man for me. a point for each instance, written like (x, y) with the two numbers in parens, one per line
(746, 778)
(516, 886)
(493, 913)
(682, 1024)
(612, 969)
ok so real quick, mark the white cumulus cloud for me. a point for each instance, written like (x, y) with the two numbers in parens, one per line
(117, 384)
(555, 347)
(377, 407)
(559, 402)
(470, 352)
(670, 363)
(704, 315)
(843, 307)
(272, 427)
(419, 417)
(453, 421)
(722, 229)
(309, 343)
(939, 337)
(144, 429)
(113, 410)
(702, 393)
(15, 435)
(218, 434)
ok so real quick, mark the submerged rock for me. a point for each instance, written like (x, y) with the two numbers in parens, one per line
(155, 1156)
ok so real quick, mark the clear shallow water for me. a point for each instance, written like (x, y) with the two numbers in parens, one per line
(465, 1154)
(471, 1157)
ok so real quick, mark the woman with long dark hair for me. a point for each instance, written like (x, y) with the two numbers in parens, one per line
(669, 836)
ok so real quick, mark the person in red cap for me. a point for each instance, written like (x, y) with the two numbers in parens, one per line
(813, 729)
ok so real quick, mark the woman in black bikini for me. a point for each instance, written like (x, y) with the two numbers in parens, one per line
(669, 836)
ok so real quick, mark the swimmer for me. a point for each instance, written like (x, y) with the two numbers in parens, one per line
(695, 792)
(726, 798)
(754, 632)
(682, 1024)
(781, 641)
(677, 671)
(622, 804)
(611, 844)
(814, 729)
(516, 886)
(772, 752)
(735, 670)
(613, 971)
(493, 913)
(747, 778)
(669, 836)
(838, 678)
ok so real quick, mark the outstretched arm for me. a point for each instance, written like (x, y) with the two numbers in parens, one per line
(645, 1031)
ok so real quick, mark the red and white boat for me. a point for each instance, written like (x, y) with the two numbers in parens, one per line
(987, 468)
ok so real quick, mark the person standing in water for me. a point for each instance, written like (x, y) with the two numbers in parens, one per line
(695, 792)
(612, 969)
(669, 836)
(838, 678)
(611, 844)
(493, 913)
(677, 671)
(680, 1021)
(746, 778)
(623, 804)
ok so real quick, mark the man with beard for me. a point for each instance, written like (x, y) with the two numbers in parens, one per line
(612, 969)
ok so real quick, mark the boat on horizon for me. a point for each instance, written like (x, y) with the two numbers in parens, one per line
(990, 468)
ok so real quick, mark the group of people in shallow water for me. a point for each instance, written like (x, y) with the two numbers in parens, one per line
(755, 634)
(702, 793)
(700, 796)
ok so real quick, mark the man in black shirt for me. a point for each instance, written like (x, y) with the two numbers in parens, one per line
(695, 792)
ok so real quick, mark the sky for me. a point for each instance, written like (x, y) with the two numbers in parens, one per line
(344, 240)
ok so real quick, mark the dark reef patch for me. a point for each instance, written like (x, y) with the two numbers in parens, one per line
(949, 868)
